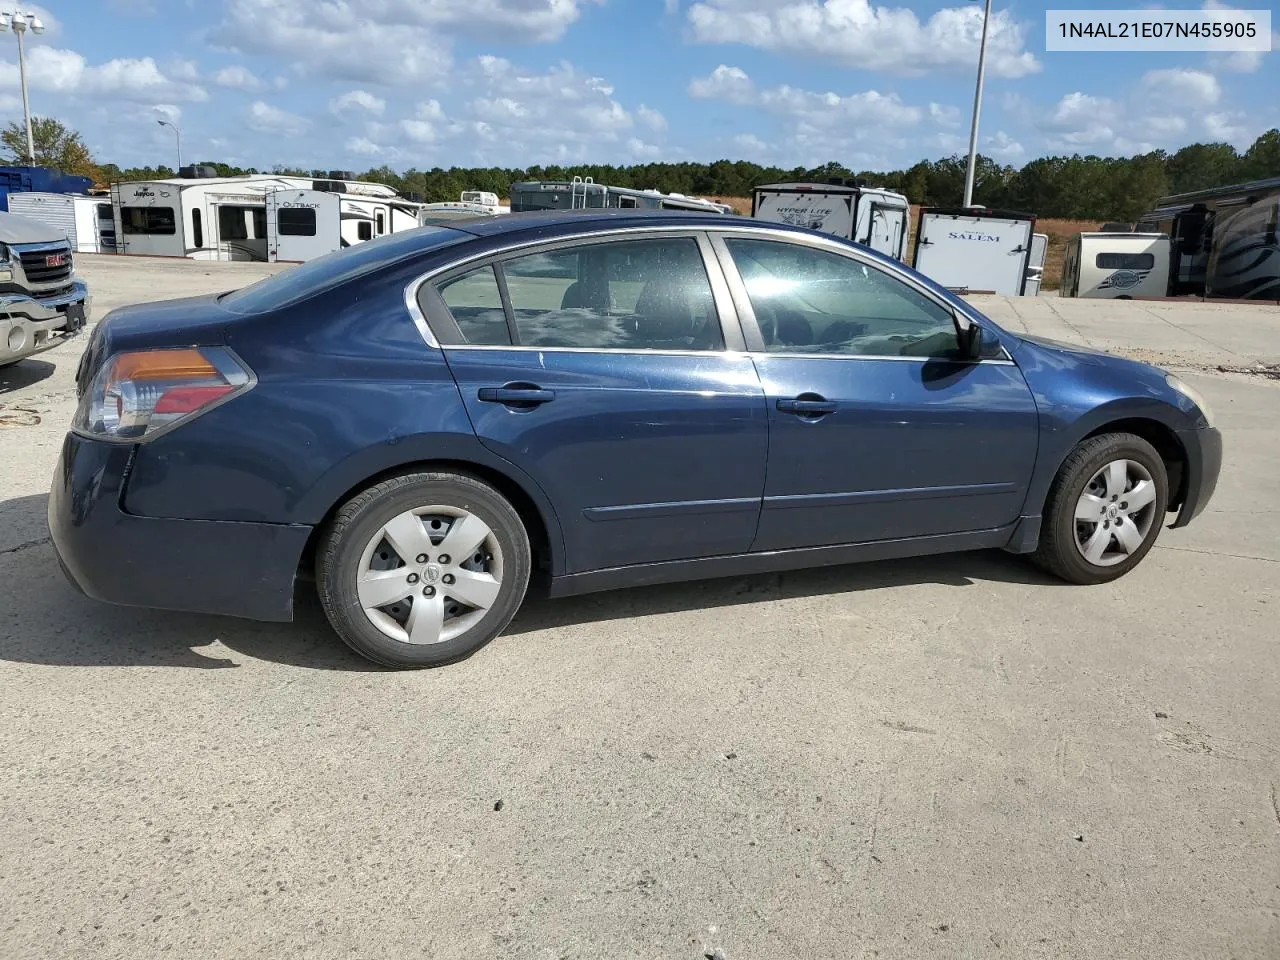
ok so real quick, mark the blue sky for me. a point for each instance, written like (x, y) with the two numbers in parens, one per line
(338, 84)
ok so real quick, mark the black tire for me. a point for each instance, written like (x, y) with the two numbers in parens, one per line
(1058, 552)
(343, 541)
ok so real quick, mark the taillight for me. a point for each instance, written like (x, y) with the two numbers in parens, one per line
(140, 393)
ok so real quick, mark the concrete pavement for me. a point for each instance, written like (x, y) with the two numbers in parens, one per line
(951, 757)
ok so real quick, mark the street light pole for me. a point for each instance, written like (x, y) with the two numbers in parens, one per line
(19, 22)
(977, 109)
(177, 136)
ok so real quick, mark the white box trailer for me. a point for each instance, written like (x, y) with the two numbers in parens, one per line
(1116, 266)
(304, 224)
(975, 250)
(87, 221)
(868, 215)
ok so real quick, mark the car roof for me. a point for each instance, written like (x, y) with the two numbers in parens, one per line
(560, 222)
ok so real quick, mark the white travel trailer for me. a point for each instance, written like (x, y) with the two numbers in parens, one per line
(975, 249)
(485, 199)
(209, 218)
(304, 224)
(1116, 266)
(869, 215)
(87, 221)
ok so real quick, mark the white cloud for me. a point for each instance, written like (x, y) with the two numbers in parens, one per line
(817, 126)
(866, 37)
(385, 41)
(1003, 147)
(724, 83)
(237, 77)
(168, 111)
(419, 131)
(640, 150)
(183, 70)
(52, 70)
(1187, 89)
(358, 103)
(651, 118)
(362, 146)
(264, 118)
(944, 115)
(559, 116)
(734, 85)
(1166, 109)
(752, 146)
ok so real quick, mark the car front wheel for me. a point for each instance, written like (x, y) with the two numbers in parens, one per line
(1105, 509)
(423, 569)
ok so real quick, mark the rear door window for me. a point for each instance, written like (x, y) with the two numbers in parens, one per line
(622, 295)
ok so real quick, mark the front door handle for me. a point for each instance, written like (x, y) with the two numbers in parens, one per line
(810, 405)
(513, 395)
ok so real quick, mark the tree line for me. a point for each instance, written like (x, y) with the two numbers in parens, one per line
(1070, 187)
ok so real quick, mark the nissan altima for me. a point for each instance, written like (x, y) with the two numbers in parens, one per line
(423, 423)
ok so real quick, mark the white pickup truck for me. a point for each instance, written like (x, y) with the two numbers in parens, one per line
(42, 303)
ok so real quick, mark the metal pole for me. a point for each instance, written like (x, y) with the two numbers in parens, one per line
(26, 106)
(178, 136)
(977, 109)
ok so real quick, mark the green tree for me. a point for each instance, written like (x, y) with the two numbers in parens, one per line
(1262, 160)
(1202, 165)
(55, 145)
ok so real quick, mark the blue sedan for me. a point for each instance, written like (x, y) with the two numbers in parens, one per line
(424, 422)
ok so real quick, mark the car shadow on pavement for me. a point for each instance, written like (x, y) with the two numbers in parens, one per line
(44, 620)
(24, 373)
(953, 570)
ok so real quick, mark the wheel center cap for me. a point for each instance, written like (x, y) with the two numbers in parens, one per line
(431, 573)
(1113, 511)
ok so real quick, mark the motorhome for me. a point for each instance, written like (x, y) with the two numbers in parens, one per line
(87, 221)
(308, 223)
(1195, 223)
(1117, 266)
(1244, 263)
(583, 193)
(974, 249)
(869, 215)
(207, 217)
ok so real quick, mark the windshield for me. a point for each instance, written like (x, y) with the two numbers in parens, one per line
(332, 269)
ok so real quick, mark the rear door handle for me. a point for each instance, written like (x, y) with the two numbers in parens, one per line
(808, 408)
(516, 396)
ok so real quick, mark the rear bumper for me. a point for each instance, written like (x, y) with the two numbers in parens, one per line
(31, 324)
(203, 566)
(1204, 463)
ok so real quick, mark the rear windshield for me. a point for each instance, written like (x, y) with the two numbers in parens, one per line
(332, 269)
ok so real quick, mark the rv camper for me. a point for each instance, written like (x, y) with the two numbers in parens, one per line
(304, 224)
(1199, 222)
(208, 217)
(975, 249)
(485, 199)
(87, 221)
(1118, 266)
(585, 194)
(871, 216)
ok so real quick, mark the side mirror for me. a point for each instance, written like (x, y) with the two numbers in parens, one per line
(969, 338)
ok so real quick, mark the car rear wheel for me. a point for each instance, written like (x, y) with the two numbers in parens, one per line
(423, 569)
(1105, 509)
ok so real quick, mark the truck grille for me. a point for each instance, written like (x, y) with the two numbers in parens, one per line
(35, 264)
